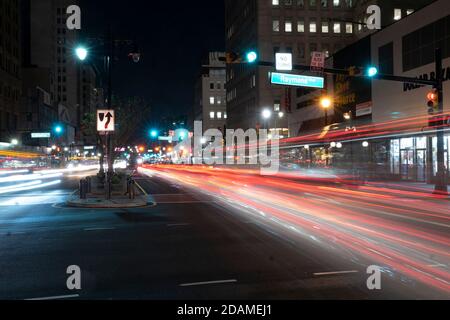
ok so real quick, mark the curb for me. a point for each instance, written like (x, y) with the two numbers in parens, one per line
(102, 204)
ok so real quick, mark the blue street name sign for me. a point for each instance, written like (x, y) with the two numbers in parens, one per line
(295, 80)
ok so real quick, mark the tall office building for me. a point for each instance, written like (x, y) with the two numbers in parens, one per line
(10, 71)
(299, 27)
(49, 46)
(210, 103)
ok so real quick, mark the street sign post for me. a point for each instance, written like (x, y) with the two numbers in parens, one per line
(283, 61)
(318, 61)
(105, 121)
(295, 80)
(40, 135)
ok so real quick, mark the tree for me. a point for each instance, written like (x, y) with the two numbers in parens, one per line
(130, 116)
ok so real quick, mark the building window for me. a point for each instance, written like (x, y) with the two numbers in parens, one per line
(211, 86)
(288, 26)
(219, 100)
(312, 26)
(337, 27)
(212, 115)
(397, 14)
(312, 3)
(349, 27)
(211, 100)
(277, 105)
(219, 115)
(336, 3)
(324, 3)
(276, 26)
(325, 27)
(275, 2)
(409, 11)
(225, 116)
(386, 58)
(301, 26)
(419, 46)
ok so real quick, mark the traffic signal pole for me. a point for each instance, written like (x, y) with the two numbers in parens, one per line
(441, 176)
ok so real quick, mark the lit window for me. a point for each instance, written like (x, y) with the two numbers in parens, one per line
(276, 26)
(275, 2)
(219, 100)
(336, 3)
(288, 26)
(397, 14)
(212, 115)
(337, 27)
(219, 115)
(409, 11)
(325, 27)
(225, 116)
(312, 27)
(301, 26)
(349, 27)
(211, 100)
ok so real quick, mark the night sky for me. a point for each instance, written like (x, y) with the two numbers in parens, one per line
(173, 35)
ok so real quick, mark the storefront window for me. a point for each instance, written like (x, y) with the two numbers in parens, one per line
(407, 143)
(421, 143)
(395, 156)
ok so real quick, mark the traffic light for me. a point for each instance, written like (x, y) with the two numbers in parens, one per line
(236, 58)
(372, 71)
(58, 129)
(154, 133)
(432, 98)
(251, 57)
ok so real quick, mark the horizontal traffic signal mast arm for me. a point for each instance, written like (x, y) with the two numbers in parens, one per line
(346, 72)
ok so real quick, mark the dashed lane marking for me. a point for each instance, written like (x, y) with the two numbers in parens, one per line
(194, 284)
(55, 297)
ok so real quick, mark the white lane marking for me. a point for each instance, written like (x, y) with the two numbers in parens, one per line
(55, 297)
(319, 274)
(179, 225)
(437, 265)
(207, 283)
(98, 229)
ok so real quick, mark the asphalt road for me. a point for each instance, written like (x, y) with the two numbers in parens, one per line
(191, 245)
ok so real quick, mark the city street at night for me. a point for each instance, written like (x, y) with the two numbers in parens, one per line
(225, 159)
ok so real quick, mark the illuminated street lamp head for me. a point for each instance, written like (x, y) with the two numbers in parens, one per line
(267, 114)
(372, 71)
(252, 56)
(326, 102)
(14, 142)
(81, 53)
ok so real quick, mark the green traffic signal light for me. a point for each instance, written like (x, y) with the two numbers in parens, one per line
(251, 57)
(81, 53)
(154, 133)
(372, 71)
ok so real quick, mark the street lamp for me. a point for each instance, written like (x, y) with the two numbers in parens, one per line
(267, 114)
(81, 53)
(326, 103)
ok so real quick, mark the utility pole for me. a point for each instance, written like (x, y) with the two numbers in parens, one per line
(441, 177)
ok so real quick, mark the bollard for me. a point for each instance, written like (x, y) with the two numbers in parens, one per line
(88, 185)
(83, 193)
(132, 193)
